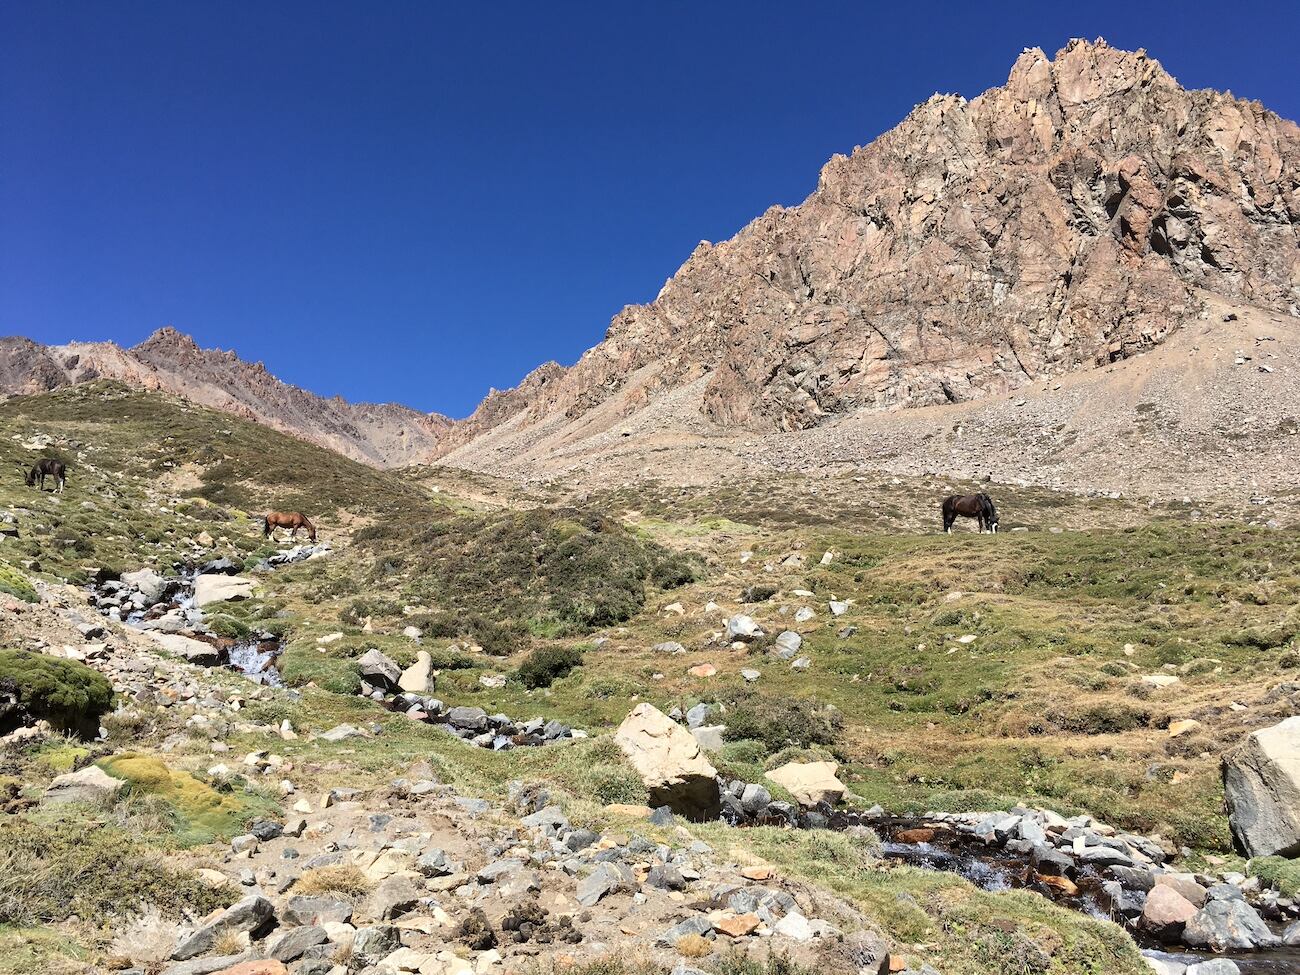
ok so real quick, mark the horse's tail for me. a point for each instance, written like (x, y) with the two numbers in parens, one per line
(266, 525)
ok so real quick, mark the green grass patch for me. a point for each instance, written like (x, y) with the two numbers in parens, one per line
(55, 868)
(202, 813)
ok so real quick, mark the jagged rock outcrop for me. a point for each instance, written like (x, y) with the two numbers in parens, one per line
(386, 435)
(1064, 220)
(1079, 214)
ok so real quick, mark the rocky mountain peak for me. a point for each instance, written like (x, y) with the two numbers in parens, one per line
(1074, 216)
(168, 339)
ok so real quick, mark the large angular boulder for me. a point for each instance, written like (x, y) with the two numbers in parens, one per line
(194, 651)
(247, 915)
(671, 765)
(149, 583)
(810, 782)
(217, 588)
(418, 678)
(378, 670)
(1228, 925)
(90, 785)
(1261, 782)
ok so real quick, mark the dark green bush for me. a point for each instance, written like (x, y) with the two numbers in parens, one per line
(546, 665)
(554, 571)
(781, 722)
(1099, 719)
(675, 570)
(69, 695)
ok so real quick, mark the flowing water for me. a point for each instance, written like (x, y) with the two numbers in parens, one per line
(254, 657)
(994, 869)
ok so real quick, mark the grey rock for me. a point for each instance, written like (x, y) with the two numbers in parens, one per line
(580, 839)
(742, 627)
(373, 944)
(606, 879)
(550, 816)
(471, 719)
(1226, 925)
(248, 914)
(379, 671)
(394, 897)
(290, 945)
(1051, 862)
(1261, 785)
(1104, 856)
(303, 910)
(698, 925)
(499, 869)
(787, 644)
(697, 715)
(665, 876)
(433, 863)
(205, 966)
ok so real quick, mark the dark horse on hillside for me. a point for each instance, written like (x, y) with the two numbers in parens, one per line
(292, 520)
(48, 468)
(977, 506)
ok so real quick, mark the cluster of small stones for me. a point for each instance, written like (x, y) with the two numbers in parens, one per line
(476, 912)
(380, 678)
(133, 594)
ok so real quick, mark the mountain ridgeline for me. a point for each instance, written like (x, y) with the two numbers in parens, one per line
(1075, 216)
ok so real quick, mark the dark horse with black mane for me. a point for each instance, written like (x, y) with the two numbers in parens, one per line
(292, 520)
(977, 506)
(48, 468)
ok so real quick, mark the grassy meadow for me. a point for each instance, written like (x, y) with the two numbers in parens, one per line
(967, 671)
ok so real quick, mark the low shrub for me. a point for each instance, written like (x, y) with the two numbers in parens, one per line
(546, 665)
(675, 570)
(346, 880)
(67, 694)
(781, 722)
(1099, 719)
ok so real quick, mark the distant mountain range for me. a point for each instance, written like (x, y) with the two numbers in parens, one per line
(384, 435)
(1075, 216)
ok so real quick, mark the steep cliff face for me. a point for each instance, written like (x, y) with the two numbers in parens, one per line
(1061, 221)
(385, 435)
(1078, 215)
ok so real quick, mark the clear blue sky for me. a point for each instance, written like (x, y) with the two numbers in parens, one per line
(416, 201)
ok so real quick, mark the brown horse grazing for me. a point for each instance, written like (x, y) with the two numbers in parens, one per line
(48, 468)
(977, 506)
(292, 520)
